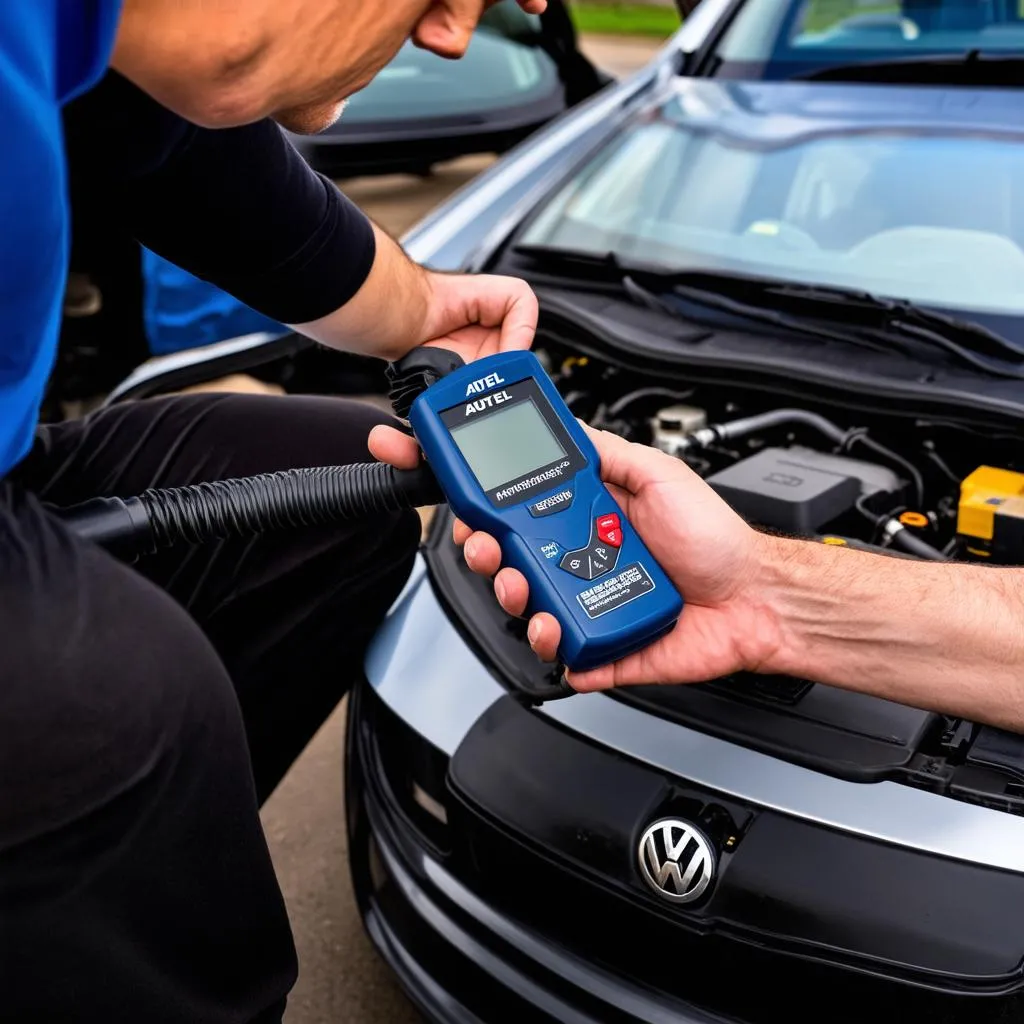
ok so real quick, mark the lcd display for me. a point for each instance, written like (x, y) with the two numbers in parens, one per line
(502, 446)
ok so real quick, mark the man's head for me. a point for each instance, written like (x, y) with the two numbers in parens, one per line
(220, 63)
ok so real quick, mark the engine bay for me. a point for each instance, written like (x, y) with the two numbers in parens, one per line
(909, 485)
(898, 483)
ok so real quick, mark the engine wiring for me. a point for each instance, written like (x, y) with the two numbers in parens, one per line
(887, 482)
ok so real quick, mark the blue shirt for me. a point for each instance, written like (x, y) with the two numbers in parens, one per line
(50, 52)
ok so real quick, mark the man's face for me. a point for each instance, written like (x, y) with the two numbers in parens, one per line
(328, 65)
(223, 62)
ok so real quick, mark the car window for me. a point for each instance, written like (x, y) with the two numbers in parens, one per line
(935, 216)
(503, 68)
(773, 39)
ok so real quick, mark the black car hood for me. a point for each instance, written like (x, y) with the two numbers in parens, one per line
(776, 114)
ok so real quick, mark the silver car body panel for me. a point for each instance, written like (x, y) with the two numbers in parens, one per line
(488, 193)
(423, 670)
(158, 366)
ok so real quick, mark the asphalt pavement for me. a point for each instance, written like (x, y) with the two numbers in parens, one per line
(341, 979)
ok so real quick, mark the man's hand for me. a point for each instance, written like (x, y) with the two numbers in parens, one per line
(448, 25)
(402, 305)
(707, 550)
(479, 314)
(945, 637)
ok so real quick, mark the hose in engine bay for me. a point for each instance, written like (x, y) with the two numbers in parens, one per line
(891, 527)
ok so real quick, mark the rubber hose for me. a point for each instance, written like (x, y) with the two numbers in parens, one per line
(915, 546)
(775, 418)
(295, 497)
(887, 453)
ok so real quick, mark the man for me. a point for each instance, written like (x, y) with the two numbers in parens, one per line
(933, 635)
(145, 711)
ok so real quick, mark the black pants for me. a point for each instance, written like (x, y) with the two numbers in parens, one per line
(146, 711)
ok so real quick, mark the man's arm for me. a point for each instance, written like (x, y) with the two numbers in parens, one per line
(942, 636)
(240, 207)
(400, 305)
(945, 637)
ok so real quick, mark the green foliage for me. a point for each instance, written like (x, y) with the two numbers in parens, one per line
(625, 19)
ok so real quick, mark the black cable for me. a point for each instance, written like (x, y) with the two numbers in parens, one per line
(843, 438)
(913, 544)
(941, 463)
(654, 392)
(899, 536)
(880, 449)
(250, 505)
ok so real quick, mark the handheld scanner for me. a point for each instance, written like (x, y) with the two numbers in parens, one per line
(513, 461)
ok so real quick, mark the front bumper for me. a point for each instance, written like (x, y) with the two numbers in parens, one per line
(460, 959)
(526, 904)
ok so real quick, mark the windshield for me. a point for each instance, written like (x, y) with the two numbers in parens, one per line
(932, 216)
(771, 39)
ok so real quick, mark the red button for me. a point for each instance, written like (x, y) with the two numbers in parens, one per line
(609, 531)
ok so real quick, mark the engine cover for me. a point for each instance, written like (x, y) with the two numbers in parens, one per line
(799, 489)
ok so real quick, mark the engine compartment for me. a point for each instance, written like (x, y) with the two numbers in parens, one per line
(896, 483)
(815, 470)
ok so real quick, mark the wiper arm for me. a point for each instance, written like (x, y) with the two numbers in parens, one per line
(610, 266)
(968, 341)
(712, 300)
(772, 301)
(970, 68)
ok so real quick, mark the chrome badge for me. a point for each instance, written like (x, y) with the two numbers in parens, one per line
(676, 861)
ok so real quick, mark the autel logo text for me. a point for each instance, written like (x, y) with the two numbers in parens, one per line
(476, 387)
(487, 402)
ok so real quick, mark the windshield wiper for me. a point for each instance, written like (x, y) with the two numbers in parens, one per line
(895, 320)
(970, 68)
(611, 268)
(884, 324)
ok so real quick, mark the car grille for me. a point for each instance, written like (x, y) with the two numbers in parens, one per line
(715, 973)
(687, 962)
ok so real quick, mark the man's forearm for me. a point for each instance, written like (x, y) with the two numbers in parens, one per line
(386, 317)
(946, 637)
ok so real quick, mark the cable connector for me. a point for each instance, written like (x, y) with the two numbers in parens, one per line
(411, 375)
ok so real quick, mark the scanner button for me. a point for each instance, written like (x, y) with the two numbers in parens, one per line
(609, 530)
(602, 558)
(578, 563)
(553, 503)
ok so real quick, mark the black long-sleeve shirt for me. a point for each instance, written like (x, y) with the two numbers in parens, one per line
(237, 206)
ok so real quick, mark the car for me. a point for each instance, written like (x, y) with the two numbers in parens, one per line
(799, 210)
(520, 71)
(803, 220)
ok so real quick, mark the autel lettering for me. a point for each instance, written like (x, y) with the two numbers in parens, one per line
(492, 380)
(487, 402)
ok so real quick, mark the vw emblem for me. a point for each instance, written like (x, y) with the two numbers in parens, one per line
(676, 861)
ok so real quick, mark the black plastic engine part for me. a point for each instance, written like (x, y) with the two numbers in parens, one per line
(798, 489)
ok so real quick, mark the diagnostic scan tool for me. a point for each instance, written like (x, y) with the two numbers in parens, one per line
(514, 462)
